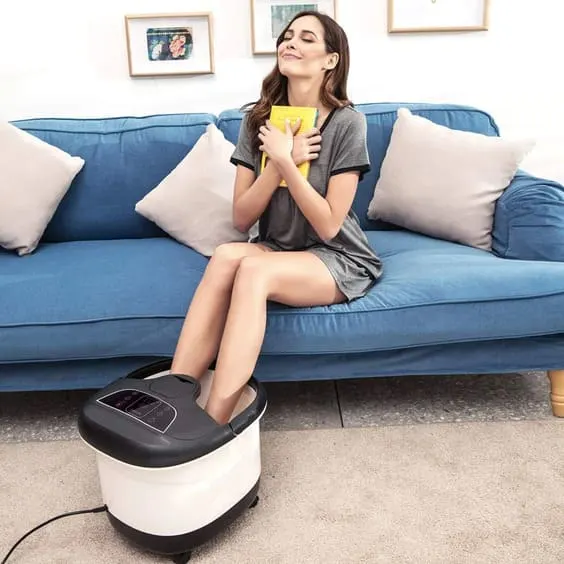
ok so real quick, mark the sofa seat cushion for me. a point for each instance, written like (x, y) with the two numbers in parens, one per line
(95, 299)
(432, 292)
(103, 299)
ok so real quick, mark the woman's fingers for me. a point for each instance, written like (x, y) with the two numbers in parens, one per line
(314, 140)
(311, 132)
(314, 148)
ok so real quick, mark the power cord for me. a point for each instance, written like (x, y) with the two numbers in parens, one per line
(95, 510)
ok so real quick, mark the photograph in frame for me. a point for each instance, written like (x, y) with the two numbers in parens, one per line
(169, 44)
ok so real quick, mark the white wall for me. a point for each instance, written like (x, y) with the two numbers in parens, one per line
(68, 58)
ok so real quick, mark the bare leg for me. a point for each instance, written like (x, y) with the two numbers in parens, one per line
(297, 279)
(202, 329)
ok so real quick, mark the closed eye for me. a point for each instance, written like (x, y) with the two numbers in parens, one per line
(304, 36)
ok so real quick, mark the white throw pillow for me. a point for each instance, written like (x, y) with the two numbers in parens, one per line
(34, 178)
(194, 203)
(443, 182)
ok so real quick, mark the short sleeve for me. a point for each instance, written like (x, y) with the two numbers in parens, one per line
(243, 154)
(352, 151)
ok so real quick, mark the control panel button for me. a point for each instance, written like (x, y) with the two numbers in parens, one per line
(161, 418)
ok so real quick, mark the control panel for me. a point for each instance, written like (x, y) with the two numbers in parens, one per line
(143, 407)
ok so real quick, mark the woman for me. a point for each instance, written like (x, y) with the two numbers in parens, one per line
(310, 250)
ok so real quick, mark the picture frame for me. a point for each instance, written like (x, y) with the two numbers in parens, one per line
(173, 44)
(431, 16)
(268, 18)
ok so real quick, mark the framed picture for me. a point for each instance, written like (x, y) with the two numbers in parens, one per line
(269, 17)
(416, 16)
(169, 44)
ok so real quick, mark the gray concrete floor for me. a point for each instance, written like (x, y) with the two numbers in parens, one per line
(44, 416)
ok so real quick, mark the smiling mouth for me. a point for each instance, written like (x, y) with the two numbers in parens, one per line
(290, 57)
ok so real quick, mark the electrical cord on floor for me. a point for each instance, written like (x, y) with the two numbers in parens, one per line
(95, 510)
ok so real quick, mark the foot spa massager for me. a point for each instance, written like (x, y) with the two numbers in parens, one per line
(171, 477)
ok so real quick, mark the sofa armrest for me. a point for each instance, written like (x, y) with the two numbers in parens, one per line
(529, 220)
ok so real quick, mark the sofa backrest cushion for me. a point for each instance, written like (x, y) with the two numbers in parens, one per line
(380, 119)
(125, 158)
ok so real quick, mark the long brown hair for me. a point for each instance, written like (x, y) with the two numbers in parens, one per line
(275, 85)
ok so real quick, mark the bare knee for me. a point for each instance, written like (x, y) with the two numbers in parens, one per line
(232, 253)
(229, 252)
(223, 264)
(252, 275)
(225, 261)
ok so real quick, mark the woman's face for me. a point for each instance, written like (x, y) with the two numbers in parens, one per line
(302, 52)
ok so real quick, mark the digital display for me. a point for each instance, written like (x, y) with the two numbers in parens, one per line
(122, 400)
(143, 407)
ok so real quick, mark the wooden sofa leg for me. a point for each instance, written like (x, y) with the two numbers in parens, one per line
(556, 378)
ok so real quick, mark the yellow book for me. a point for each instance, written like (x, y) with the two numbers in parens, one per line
(278, 116)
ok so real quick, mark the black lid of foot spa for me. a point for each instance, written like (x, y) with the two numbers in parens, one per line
(156, 423)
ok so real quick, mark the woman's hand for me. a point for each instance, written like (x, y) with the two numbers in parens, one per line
(278, 145)
(306, 146)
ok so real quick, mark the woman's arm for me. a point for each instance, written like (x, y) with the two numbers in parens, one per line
(325, 214)
(252, 194)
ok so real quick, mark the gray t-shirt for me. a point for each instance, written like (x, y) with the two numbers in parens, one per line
(282, 226)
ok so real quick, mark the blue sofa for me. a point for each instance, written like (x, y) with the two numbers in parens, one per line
(106, 291)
